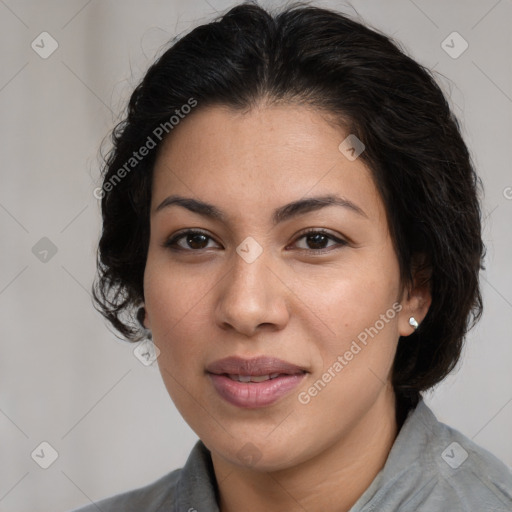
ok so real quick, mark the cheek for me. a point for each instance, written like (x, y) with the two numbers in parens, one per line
(353, 298)
(172, 294)
(364, 342)
(175, 304)
(357, 350)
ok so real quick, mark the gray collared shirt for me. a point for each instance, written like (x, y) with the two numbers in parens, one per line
(430, 468)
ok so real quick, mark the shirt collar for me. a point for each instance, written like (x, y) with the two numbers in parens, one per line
(197, 488)
(409, 455)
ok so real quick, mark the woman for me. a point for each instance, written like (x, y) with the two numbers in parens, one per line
(291, 214)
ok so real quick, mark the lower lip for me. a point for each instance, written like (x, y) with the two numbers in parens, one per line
(254, 394)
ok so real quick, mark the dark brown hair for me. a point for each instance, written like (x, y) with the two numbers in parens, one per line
(325, 60)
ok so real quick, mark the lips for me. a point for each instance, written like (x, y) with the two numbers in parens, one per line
(256, 367)
(253, 383)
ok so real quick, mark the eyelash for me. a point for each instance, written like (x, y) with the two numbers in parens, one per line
(170, 244)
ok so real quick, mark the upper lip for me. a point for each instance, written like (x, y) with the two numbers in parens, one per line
(256, 366)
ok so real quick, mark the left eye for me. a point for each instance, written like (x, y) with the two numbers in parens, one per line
(317, 240)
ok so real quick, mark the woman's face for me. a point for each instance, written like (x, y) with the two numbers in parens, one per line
(253, 283)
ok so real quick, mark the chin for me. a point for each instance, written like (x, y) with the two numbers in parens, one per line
(258, 453)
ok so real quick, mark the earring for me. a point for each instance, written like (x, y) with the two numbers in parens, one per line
(141, 313)
(413, 322)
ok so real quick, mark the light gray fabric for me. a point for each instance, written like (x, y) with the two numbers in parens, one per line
(431, 468)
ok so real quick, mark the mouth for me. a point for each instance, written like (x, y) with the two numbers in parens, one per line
(262, 366)
(256, 382)
(253, 378)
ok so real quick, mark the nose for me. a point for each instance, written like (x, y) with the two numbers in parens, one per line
(252, 297)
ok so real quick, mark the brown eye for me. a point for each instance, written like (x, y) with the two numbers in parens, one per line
(189, 241)
(318, 241)
(197, 241)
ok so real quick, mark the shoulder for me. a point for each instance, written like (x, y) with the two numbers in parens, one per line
(433, 467)
(463, 474)
(178, 490)
(148, 498)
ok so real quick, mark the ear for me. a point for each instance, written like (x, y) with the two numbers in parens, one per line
(416, 297)
(142, 317)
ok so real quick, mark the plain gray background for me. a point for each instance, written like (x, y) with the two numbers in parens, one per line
(65, 378)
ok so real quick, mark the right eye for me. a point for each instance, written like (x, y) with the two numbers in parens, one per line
(190, 240)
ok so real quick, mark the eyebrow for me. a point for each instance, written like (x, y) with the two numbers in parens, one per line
(281, 214)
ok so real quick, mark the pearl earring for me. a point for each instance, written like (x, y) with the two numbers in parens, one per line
(413, 322)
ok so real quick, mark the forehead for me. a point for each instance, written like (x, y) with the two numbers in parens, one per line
(267, 156)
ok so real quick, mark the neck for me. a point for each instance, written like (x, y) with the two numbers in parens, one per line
(333, 479)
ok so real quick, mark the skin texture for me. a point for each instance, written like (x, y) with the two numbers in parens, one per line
(205, 302)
